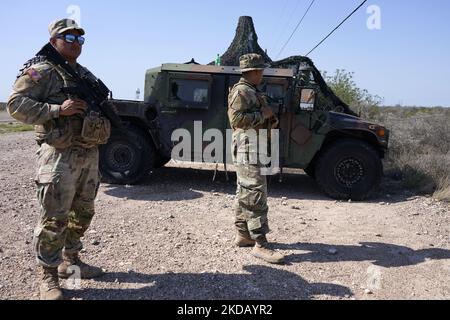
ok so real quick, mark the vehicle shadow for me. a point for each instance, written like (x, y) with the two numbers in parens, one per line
(168, 184)
(154, 193)
(382, 254)
(261, 283)
(179, 183)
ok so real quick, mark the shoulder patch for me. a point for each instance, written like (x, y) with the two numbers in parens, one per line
(42, 67)
(34, 75)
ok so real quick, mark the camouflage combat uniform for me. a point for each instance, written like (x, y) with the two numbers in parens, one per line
(67, 177)
(249, 115)
(244, 112)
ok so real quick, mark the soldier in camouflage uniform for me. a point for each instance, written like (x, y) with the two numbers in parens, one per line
(67, 177)
(248, 112)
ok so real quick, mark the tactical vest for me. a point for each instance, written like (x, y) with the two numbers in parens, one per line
(86, 131)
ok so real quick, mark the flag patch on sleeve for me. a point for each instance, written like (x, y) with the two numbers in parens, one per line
(34, 75)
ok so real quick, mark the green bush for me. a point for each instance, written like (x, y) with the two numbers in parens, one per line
(360, 100)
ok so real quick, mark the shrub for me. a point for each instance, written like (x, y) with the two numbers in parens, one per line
(443, 190)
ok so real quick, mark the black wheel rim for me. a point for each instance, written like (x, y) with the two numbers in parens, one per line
(121, 157)
(349, 171)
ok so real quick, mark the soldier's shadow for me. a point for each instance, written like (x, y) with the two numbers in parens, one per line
(261, 282)
(382, 254)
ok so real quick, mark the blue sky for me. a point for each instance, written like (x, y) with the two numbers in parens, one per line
(406, 62)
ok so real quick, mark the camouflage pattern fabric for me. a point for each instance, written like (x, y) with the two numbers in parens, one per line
(251, 206)
(67, 184)
(36, 99)
(251, 62)
(244, 107)
(68, 176)
(244, 112)
(63, 25)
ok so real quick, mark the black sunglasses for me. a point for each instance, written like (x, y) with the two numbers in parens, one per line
(70, 38)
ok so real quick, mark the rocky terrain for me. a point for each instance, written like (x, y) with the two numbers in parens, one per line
(171, 238)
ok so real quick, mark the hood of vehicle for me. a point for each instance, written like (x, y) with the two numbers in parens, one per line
(343, 120)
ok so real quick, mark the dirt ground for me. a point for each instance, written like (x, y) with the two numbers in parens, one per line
(171, 238)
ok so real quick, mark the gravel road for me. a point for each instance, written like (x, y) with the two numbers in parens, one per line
(171, 238)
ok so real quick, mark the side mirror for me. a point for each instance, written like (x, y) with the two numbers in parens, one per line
(307, 99)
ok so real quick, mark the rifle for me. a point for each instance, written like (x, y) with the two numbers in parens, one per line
(93, 91)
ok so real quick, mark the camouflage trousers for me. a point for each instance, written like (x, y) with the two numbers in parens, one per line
(251, 201)
(67, 184)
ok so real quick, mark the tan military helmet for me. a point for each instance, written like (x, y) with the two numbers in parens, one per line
(63, 25)
(250, 62)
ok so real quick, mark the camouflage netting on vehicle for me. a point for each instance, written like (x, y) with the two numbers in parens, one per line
(312, 76)
(245, 41)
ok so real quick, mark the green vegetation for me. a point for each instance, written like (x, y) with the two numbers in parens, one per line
(14, 127)
(419, 152)
(360, 100)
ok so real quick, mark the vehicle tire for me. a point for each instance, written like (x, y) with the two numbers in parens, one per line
(310, 171)
(349, 169)
(161, 161)
(126, 161)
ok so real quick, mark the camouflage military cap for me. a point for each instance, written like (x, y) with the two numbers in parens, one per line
(251, 62)
(63, 25)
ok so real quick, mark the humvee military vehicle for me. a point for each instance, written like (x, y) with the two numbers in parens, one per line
(318, 132)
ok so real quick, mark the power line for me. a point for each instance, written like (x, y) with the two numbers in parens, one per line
(284, 10)
(354, 11)
(295, 29)
(280, 28)
(288, 20)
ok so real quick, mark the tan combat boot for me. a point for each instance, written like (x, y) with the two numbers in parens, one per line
(244, 240)
(264, 252)
(49, 284)
(73, 259)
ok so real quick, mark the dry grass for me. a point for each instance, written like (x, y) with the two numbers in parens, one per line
(443, 190)
(419, 153)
